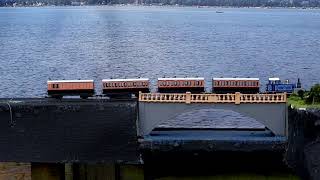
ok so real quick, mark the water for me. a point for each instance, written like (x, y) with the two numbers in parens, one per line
(102, 42)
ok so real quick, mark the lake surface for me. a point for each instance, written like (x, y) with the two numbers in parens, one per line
(102, 42)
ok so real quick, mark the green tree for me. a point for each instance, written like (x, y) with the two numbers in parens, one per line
(301, 93)
(314, 95)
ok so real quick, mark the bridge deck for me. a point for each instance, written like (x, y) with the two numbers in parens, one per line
(213, 140)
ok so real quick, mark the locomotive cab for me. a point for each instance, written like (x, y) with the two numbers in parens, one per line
(276, 86)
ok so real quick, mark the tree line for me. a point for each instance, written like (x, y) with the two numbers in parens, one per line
(230, 3)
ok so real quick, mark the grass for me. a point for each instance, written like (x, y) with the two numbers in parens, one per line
(22, 171)
(297, 102)
(136, 173)
(237, 177)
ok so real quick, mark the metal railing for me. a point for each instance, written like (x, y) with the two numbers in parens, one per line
(188, 98)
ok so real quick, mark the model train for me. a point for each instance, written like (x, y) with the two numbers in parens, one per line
(276, 86)
(128, 87)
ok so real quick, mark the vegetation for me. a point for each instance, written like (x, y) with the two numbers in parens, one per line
(238, 177)
(308, 99)
(231, 3)
(136, 173)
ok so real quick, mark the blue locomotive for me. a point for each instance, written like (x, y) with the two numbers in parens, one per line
(276, 86)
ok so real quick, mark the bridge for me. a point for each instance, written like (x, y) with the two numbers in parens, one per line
(102, 130)
(268, 109)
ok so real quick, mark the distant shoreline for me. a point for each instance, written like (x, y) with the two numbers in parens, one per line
(158, 5)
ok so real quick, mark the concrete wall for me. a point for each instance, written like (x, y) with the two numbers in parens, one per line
(303, 144)
(71, 130)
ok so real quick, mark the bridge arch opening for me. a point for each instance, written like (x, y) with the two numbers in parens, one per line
(208, 118)
(272, 115)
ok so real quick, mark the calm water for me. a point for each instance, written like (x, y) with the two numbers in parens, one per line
(102, 42)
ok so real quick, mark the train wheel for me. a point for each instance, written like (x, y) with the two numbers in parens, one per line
(84, 97)
(57, 96)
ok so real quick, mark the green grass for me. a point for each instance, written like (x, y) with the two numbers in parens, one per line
(237, 177)
(132, 172)
(297, 102)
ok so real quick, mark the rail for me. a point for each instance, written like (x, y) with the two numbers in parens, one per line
(188, 98)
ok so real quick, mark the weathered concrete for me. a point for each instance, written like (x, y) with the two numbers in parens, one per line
(68, 130)
(212, 141)
(303, 144)
(273, 116)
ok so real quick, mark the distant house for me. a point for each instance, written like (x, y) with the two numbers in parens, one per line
(74, 3)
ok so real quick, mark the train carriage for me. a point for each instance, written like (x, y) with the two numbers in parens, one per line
(60, 88)
(181, 85)
(125, 87)
(232, 85)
